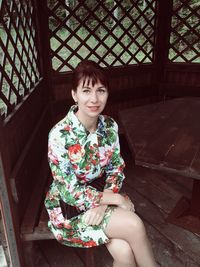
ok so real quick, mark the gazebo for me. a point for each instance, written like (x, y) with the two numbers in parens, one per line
(150, 49)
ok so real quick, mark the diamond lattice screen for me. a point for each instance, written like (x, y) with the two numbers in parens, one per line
(185, 35)
(113, 33)
(19, 64)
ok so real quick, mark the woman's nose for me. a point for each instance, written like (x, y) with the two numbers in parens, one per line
(94, 97)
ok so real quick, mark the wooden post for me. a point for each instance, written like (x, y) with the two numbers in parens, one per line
(163, 27)
(10, 221)
(43, 41)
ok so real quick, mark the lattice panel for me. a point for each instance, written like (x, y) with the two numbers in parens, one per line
(113, 33)
(185, 35)
(19, 63)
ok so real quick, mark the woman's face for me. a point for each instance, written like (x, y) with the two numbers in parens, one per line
(91, 98)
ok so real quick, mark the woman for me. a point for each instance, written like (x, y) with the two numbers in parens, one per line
(84, 204)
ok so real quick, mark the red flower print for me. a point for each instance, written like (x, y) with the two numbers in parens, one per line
(94, 162)
(90, 243)
(75, 240)
(75, 148)
(76, 152)
(59, 237)
(59, 225)
(67, 128)
(87, 168)
(115, 189)
(75, 166)
(120, 169)
(55, 161)
(82, 177)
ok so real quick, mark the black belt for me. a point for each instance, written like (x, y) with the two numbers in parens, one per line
(71, 211)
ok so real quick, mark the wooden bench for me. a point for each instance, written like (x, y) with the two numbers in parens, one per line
(32, 170)
(34, 224)
(28, 180)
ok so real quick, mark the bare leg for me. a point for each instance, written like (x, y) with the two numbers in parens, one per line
(121, 253)
(128, 226)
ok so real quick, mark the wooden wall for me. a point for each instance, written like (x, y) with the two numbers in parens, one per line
(181, 80)
(134, 85)
(128, 86)
(24, 142)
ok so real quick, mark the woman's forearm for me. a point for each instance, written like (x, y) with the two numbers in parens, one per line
(110, 198)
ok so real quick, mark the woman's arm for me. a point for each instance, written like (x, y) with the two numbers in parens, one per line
(66, 184)
(95, 216)
(115, 167)
(110, 198)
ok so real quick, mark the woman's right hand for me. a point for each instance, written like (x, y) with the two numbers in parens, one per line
(94, 216)
(126, 203)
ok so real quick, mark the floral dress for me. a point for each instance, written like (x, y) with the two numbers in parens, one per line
(77, 157)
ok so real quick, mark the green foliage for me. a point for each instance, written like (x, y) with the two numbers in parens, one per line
(186, 29)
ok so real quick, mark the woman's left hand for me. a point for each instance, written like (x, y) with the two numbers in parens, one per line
(126, 203)
(94, 216)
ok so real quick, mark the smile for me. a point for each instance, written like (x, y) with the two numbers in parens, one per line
(93, 108)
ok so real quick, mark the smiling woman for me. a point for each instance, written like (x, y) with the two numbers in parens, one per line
(84, 202)
(91, 101)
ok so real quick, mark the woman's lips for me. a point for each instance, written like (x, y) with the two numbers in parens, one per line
(93, 108)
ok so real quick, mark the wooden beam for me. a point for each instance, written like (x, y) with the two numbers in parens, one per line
(11, 229)
(164, 15)
(43, 41)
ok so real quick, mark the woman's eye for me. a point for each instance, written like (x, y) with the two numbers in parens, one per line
(102, 91)
(86, 91)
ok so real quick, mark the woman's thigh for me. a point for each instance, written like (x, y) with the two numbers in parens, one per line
(124, 224)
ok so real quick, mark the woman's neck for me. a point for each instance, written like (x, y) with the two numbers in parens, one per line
(89, 123)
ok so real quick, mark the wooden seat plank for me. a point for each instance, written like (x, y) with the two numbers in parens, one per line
(31, 217)
(167, 129)
(173, 149)
(149, 147)
(41, 230)
(185, 149)
(148, 117)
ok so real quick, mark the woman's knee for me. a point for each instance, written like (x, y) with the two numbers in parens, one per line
(135, 225)
(121, 252)
(125, 225)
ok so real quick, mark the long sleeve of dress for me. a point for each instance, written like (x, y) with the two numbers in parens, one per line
(115, 166)
(66, 185)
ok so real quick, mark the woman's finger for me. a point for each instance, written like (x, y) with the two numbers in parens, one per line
(90, 217)
(94, 216)
(99, 220)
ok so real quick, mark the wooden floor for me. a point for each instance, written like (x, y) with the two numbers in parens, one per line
(154, 194)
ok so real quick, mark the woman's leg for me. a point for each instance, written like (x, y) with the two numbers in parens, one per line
(128, 226)
(121, 253)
